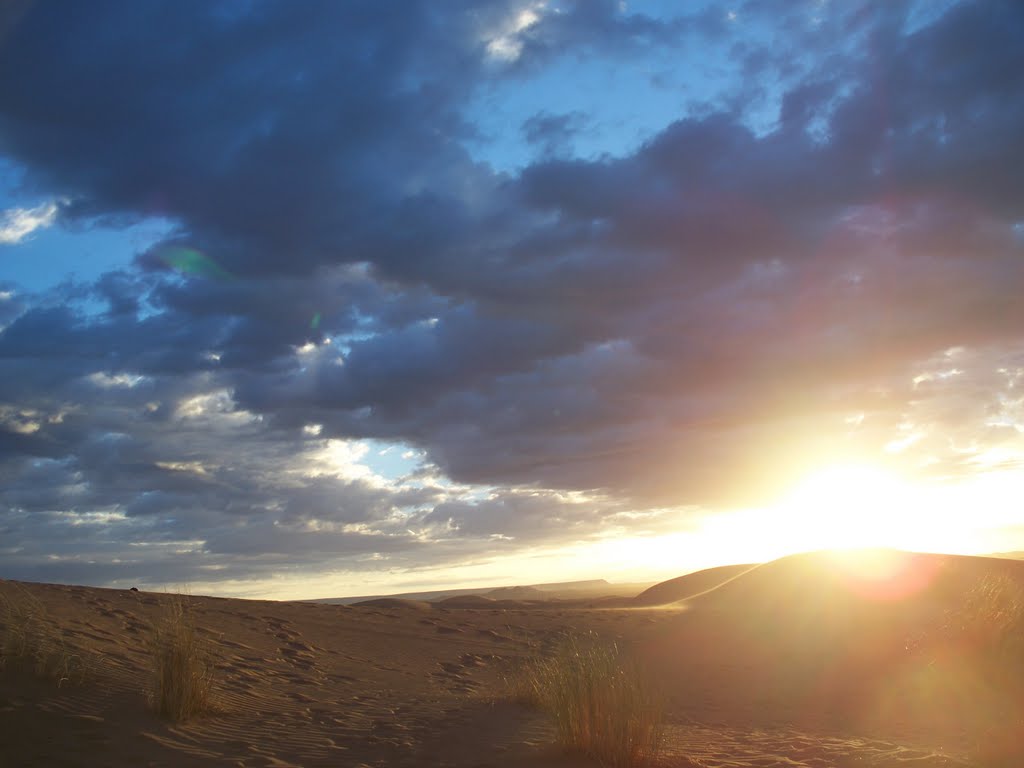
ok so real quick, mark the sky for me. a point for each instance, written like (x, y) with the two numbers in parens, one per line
(318, 299)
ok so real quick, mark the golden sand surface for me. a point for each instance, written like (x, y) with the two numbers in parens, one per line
(800, 663)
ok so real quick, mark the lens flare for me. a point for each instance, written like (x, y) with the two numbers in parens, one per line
(885, 575)
(189, 261)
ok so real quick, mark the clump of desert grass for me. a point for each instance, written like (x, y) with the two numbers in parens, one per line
(31, 642)
(992, 616)
(182, 663)
(602, 701)
(983, 631)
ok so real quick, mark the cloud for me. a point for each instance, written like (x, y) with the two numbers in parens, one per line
(16, 224)
(770, 279)
(505, 43)
(553, 133)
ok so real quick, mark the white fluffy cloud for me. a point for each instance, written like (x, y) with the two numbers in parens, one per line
(18, 223)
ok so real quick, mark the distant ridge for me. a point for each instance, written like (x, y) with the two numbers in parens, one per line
(518, 593)
(559, 590)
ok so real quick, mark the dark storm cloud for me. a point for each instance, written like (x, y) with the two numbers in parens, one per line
(553, 134)
(293, 126)
(668, 326)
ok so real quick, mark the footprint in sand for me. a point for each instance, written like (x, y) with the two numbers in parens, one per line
(454, 674)
(292, 649)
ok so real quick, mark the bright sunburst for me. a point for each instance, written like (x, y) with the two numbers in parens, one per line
(847, 506)
(856, 506)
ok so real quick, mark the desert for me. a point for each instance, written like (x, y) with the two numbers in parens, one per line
(816, 660)
(511, 383)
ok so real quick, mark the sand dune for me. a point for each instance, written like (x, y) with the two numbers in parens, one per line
(690, 585)
(795, 663)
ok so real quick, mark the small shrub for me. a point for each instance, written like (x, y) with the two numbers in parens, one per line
(30, 640)
(183, 668)
(1001, 601)
(991, 619)
(602, 702)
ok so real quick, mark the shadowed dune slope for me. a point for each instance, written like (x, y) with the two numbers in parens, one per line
(840, 580)
(875, 641)
(393, 602)
(467, 601)
(868, 604)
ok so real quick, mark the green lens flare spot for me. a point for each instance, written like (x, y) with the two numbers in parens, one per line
(189, 261)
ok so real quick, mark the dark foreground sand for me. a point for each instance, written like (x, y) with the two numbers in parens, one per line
(796, 663)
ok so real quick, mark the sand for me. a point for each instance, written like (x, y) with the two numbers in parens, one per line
(786, 665)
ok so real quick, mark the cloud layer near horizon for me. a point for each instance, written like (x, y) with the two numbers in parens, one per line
(572, 346)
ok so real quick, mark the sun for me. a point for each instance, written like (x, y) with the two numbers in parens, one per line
(857, 506)
(855, 509)
(849, 506)
(839, 506)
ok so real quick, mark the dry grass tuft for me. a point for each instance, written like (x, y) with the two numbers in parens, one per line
(183, 665)
(30, 641)
(603, 703)
(993, 616)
